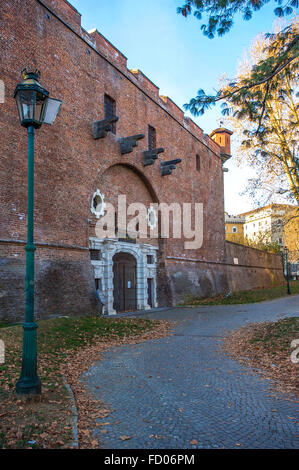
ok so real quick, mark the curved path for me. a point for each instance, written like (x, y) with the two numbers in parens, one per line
(168, 392)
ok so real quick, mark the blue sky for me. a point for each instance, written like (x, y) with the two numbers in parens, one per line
(178, 58)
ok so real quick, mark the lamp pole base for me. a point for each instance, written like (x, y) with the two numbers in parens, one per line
(29, 382)
(29, 386)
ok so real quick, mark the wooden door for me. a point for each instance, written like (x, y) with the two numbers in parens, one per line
(150, 292)
(124, 271)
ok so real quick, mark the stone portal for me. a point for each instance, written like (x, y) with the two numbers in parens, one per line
(126, 274)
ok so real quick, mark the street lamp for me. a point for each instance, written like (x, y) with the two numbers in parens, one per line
(286, 257)
(34, 108)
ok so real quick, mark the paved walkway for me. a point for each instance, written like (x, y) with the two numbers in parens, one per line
(168, 392)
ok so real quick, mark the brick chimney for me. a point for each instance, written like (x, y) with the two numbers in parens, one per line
(222, 137)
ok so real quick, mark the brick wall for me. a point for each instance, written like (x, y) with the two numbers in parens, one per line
(80, 68)
(254, 268)
(243, 268)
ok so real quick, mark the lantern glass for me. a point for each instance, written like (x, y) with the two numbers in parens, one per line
(19, 105)
(25, 101)
(51, 111)
(40, 107)
(31, 107)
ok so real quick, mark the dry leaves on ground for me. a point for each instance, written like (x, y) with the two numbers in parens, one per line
(89, 409)
(267, 348)
(46, 421)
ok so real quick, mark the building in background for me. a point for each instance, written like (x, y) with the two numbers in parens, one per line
(234, 228)
(275, 224)
(271, 227)
(291, 236)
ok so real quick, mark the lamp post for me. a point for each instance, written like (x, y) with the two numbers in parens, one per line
(286, 257)
(34, 108)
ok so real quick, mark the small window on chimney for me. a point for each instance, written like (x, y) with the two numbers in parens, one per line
(198, 162)
(151, 138)
(110, 111)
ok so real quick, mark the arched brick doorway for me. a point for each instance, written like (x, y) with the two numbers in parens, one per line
(126, 180)
(124, 282)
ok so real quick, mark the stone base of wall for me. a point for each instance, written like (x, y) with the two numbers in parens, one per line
(249, 268)
(243, 268)
(195, 279)
(65, 279)
(64, 284)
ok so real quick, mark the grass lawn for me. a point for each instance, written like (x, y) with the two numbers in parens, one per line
(276, 336)
(66, 346)
(246, 296)
(267, 346)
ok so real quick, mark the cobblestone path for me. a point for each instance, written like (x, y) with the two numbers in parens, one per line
(165, 393)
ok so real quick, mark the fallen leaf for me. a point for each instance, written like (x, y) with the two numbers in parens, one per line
(125, 438)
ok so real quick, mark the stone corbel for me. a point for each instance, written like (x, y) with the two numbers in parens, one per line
(101, 128)
(128, 143)
(167, 167)
(149, 156)
(224, 157)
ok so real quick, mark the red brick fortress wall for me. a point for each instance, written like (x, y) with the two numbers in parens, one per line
(70, 165)
(249, 268)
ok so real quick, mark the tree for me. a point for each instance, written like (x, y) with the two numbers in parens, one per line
(282, 230)
(260, 244)
(282, 48)
(221, 13)
(291, 234)
(266, 120)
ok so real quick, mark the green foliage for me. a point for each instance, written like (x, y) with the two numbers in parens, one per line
(250, 92)
(71, 333)
(268, 114)
(246, 96)
(220, 13)
(262, 99)
(271, 247)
